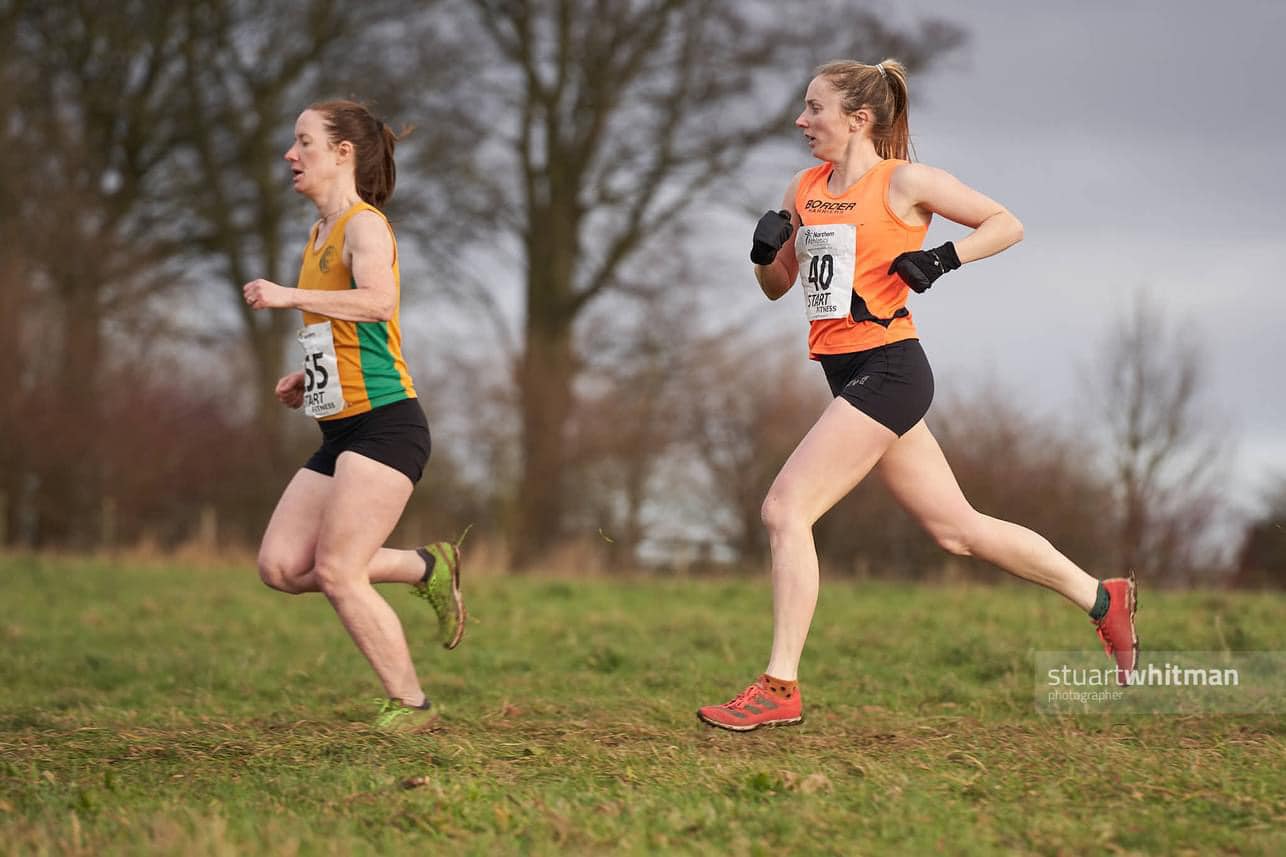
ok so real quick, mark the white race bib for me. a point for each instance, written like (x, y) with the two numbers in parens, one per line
(323, 394)
(827, 259)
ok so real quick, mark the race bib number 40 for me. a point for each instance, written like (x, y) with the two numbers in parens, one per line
(323, 394)
(827, 259)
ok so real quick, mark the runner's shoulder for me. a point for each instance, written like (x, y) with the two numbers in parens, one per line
(792, 190)
(368, 228)
(368, 218)
(912, 176)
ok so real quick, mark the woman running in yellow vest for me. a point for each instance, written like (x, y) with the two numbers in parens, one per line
(329, 527)
(851, 229)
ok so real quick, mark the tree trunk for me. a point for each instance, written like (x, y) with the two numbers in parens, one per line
(545, 392)
(548, 366)
(268, 345)
(12, 458)
(70, 483)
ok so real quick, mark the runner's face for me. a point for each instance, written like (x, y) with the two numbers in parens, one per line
(827, 129)
(313, 159)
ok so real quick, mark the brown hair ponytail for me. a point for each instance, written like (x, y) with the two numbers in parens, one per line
(374, 169)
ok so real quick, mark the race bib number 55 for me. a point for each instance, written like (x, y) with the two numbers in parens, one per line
(827, 258)
(323, 394)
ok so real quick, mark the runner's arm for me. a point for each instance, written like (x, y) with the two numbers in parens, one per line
(778, 276)
(368, 251)
(936, 191)
(290, 389)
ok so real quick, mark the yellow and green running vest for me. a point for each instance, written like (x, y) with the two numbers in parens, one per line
(371, 369)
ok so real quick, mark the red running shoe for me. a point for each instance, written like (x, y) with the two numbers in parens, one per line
(767, 702)
(1116, 629)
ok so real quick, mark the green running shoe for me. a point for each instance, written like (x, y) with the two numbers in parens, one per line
(441, 588)
(396, 716)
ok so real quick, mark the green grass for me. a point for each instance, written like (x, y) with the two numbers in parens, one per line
(179, 711)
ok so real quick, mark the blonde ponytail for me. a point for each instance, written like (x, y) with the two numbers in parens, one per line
(881, 89)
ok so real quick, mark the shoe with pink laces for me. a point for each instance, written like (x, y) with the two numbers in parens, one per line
(768, 702)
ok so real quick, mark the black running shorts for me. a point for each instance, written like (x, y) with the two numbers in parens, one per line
(892, 384)
(395, 435)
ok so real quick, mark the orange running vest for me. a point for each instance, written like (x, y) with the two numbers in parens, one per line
(371, 368)
(881, 236)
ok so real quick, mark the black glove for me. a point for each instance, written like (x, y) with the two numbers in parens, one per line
(770, 233)
(919, 268)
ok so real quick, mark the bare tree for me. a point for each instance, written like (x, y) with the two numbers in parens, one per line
(89, 118)
(630, 119)
(749, 401)
(1262, 559)
(1023, 467)
(1165, 453)
(630, 417)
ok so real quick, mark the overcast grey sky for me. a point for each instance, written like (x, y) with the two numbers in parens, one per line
(1138, 141)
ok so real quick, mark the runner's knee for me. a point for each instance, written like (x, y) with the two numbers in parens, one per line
(956, 537)
(779, 512)
(332, 577)
(279, 575)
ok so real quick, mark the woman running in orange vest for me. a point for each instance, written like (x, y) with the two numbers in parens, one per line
(851, 229)
(329, 526)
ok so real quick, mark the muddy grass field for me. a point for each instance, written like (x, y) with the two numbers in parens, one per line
(168, 710)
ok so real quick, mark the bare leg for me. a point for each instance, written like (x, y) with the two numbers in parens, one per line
(917, 473)
(835, 455)
(293, 547)
(289, 545)
(366, 500)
